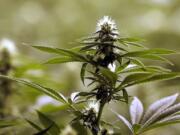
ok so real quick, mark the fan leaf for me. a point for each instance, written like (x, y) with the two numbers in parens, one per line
(50, 92)
(159, 105)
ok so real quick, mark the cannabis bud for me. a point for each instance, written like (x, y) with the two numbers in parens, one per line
(89, 116)
(107, 30)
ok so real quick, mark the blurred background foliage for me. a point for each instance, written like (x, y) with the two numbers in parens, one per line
(60, 23)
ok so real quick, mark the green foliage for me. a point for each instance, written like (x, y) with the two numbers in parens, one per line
(161, 113)
(50, 92)
(7, 123)
(50, 127)
(47, 122)
(100, 54)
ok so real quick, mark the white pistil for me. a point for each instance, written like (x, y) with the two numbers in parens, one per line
(106, 21)
(112, 67)
(93, 105)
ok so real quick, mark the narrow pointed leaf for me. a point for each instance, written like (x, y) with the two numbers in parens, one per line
(160, 124)
(83, 70)
(55, 130)
(159, 105)
(162, 113)
(137, 62)
(122, 67)
(149, 51)
(136, 77)
(63, 52)
(157, 77)
(50, 92)
(136, 111)
(170, 119)
(146, 69)
(44, 131)
(125, 121)
(130, 39)
(34, 125)
(58, 60)
(157, 58)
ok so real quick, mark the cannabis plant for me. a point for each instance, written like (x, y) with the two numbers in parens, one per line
(110, 64)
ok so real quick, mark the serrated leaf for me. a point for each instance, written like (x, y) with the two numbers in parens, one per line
(146, 69)
(157, 57)
(159, 105)
(58, 60)
(162, 113)
(50, 92)
(63, 52)
(125, 121)
(54, 130)
(148, 52)
(133, 78)
(83, 70)
(157, 77)
(136, 111)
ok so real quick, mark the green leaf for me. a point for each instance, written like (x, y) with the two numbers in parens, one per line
(50, 92)
(139, 78)
(151, 69)
(58, 60)
(126, 96)
(157, 77)
(157, 125)
(44, 131)
(87, 47)
(83, 70)
(109, 75)
(125, 121)
(136, 77)
(37, 127)
(122, 67)
(63, 52)
(157, 57)
(148, 52)
(76, 48)
(4, 123)
(55, 130)
(137, 62)
(130, 39)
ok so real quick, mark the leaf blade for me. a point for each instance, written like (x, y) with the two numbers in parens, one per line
(136, 111)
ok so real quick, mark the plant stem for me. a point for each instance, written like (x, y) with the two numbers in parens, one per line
(100, 112)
